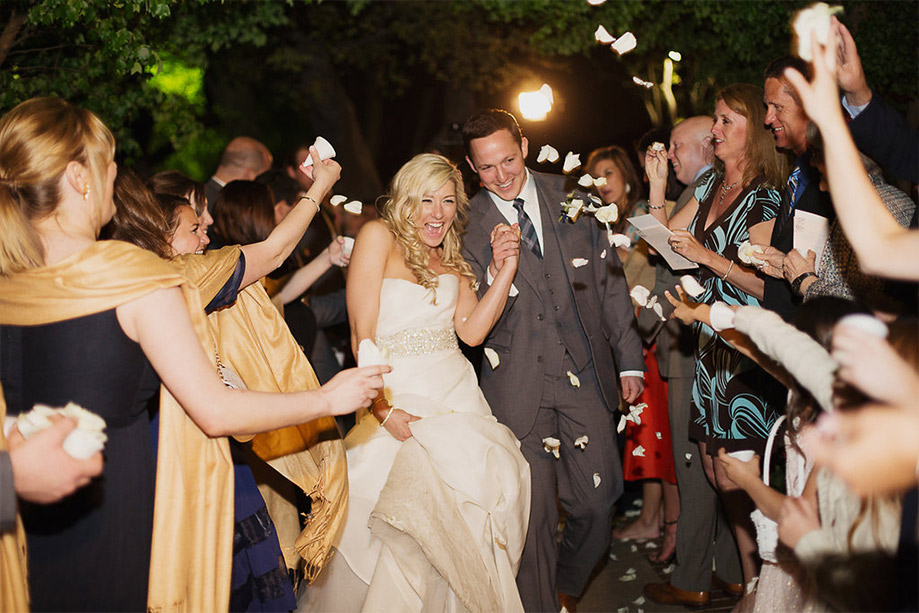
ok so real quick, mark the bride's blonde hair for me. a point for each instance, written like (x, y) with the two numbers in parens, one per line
(423, 175)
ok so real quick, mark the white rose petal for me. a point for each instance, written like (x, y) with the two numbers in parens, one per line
(640, 294)
(546, 91)
(551, 445)
(547, 152)
(634, 548)
(581, 441)
(658, 310)
(628, 578)
(596, 480)
(586, 181)
(493, 358)
(814, 19)
(81, 444)
(368, 354)
(86, 420)
(668, 569)
(650, 545)
(603, 254)
(658, 435)
(607, 214)
(337, 199)
(639, 601)
(602, 36)
(619, 240)
(578, 262)
(658, 146)
(621, 426)
(624, 43)
(613, 557)
(747, 253)
(599, 181)
(639, 451)
(642, 83)
(354, 207)
(691, 286)
(572, 161)
(688, 457)
(573, 379)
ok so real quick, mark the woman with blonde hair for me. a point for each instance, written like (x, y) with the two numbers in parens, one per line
(439, 490)
(735, 202)
(84, 321)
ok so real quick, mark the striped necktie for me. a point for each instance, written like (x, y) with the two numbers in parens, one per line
(791, 192)
(527, 231)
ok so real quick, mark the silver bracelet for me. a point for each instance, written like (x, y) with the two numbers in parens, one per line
(651, 206)
(306, 197)
(730, 268)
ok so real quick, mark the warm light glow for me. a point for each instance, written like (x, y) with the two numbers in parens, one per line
(676, 56)
(534, 106)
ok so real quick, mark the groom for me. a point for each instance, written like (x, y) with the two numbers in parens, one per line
(566, 336)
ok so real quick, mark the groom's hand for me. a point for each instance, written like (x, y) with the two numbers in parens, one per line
(505, 242)
(632, 387)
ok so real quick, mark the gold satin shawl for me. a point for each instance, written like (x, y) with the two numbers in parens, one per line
(14, 587)
(192, 549)
(255, 342)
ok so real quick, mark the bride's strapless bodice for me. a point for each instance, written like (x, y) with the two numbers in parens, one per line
(412, 322)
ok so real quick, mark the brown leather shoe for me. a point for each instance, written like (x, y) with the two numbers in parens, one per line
(731, 589)
(664, 593)
(569, 603)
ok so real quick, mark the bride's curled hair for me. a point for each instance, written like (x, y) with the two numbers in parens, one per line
(425, 174)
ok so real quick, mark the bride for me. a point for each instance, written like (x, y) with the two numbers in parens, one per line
(439, 491)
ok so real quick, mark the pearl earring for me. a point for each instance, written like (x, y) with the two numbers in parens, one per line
(628, 188)
(86, 191)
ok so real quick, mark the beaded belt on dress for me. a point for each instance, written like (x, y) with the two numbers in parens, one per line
(419, 342)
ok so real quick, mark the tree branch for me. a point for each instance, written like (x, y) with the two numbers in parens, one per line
(8, 36)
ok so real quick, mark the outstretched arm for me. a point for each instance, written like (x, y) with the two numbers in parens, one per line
(160, 323)
(304, 278)
(882, 245)
(267, 255)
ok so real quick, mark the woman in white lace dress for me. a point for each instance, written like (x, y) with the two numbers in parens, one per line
(439, 491)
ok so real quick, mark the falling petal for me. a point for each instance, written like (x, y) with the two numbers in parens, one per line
(354, 207)
(599, 182)
(628, 578)
(551, 445)
(602, 36)
(642, 83)
(547, 152)
(578, 262)
(573, 379)
(369, 354)
(572, 161)
(337, 199)
(640, 294)
(639, 601)
(613, 557)
(621, 425)
(493, 358)
(668, 569)
(659, 436)
(596, 200)
(659, 311)
(688, 457)
(586, 181)
(546, 91)
(639, 451)
(607, 214)
(596, 480)
(650, 545)
(633, 548)
(620, 240)
(652, 302)
(691, 286)
(624, 43)
(603, 254)
(581, 441)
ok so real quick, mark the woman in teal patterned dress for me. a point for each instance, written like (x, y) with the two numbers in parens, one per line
(734, 401)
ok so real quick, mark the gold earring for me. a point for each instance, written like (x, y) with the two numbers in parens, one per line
(86, 191)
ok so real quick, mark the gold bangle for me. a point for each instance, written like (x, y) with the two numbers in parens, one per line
(310, 198)
(730, 268)
(388, 415)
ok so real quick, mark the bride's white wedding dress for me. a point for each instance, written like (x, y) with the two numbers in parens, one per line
(436, 523)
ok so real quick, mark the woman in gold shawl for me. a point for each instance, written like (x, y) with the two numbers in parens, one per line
(84, 321)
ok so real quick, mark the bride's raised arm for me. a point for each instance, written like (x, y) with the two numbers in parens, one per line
(474, 318)
(365, 280)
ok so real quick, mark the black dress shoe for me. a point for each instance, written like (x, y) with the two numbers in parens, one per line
(731, 589)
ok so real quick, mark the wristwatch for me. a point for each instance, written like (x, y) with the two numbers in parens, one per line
(796, 284)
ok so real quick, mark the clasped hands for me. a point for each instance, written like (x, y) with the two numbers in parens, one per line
(505, 247)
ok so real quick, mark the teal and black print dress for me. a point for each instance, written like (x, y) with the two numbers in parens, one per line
(734, 401)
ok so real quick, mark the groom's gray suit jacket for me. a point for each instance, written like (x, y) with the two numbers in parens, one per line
(583, 310)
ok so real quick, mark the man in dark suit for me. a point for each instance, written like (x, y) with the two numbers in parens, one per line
(567, 334)
(786, 118)
(243, 159)
(703, 532)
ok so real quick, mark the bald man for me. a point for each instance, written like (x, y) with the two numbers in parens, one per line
(702, 533)
(243, 159)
